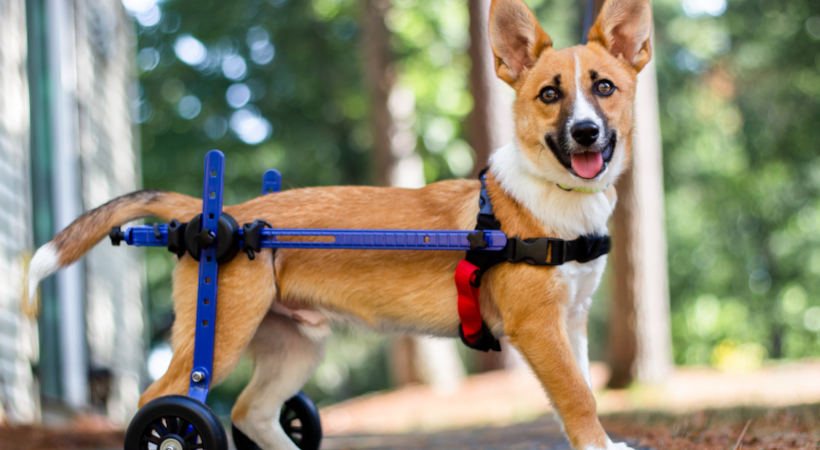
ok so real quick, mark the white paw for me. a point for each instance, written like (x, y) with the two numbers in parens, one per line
(617, 445)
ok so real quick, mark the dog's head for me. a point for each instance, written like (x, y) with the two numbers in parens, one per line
(574, 106)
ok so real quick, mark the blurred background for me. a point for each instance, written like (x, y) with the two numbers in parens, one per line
(718, 257)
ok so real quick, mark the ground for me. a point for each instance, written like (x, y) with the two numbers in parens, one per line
(694, 409)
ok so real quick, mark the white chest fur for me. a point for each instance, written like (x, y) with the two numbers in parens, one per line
(563, 214)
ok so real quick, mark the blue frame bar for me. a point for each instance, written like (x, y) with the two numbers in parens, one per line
(149, 236)
(208, 271)
(271, 181)
(378, 239)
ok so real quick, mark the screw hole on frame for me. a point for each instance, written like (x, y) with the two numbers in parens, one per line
(211, 215)
(426, 239)
(207, 301)
(209, 259)
(204, 323)
(213, 173)
(212, 194)
(207, 280)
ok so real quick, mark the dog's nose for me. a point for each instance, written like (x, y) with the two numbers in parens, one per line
(584, 132)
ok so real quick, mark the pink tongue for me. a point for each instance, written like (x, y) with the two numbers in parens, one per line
(588, 164)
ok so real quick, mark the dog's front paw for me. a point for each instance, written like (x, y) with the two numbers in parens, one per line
(617, 445)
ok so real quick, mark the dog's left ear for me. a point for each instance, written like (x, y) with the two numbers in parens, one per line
(624, 27)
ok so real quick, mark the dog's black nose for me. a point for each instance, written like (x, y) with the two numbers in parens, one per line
(584, 132)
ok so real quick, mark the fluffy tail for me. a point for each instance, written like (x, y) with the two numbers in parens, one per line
(91, 227)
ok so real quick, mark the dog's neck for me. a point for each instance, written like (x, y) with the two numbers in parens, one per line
(563, 214)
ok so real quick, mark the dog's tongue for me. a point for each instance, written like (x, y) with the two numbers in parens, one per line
(587, 164)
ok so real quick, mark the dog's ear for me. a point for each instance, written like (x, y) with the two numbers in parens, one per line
(624, 27)
(516, 38)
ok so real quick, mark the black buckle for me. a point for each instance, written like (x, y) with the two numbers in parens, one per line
(556, 251)
(537, 251)
(252, 236)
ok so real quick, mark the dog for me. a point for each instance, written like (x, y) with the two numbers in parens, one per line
(573, 123)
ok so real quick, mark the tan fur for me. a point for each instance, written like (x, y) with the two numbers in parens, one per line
(88, 229)
(409, 290)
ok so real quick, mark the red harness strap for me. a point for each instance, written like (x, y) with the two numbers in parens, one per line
(468, 308)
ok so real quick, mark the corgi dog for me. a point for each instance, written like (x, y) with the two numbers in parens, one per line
(573, 123)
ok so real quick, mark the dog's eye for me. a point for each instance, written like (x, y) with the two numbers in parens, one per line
(549, 95)
(604, 87)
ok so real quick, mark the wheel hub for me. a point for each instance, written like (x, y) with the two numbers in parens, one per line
(171, 443)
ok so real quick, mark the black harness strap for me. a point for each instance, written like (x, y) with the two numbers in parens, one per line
(542, 251)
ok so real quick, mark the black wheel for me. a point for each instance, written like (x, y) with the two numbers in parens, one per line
(300, 420)
(175, 422)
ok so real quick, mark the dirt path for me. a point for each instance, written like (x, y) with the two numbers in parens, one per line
(508, 410)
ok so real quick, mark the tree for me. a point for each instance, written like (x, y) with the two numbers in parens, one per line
(639, 333)
(491, 118)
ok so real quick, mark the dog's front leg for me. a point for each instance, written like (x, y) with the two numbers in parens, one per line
(532, 303)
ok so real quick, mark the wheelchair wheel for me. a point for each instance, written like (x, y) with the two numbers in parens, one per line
(175, 422)
(300, 420)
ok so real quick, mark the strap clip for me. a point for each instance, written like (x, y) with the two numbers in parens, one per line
(537, 251)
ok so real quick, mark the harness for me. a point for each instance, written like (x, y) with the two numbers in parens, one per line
(540, 251)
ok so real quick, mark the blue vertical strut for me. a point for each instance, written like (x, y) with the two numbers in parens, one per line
(271, 181)
(206, 296)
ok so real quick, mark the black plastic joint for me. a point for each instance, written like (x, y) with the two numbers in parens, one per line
(252, 234)
(176, 237)
(116, 235)
(226, 240)
(477, 240)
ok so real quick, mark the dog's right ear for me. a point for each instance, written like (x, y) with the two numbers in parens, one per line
(516, 39)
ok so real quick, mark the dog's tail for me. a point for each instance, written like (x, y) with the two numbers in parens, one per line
(76, 239)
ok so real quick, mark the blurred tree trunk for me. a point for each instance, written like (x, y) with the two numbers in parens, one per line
(639, 326)
(381, 75)
(490, 122)
(490, 127)
(412, 359)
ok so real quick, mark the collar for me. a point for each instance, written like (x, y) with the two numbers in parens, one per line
(582, 190)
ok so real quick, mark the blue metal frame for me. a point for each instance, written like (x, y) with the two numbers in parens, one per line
(157, 236)
(208, 270)
(271, 181)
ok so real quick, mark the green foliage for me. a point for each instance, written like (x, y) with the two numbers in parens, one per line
(739, 97)
(274, 84)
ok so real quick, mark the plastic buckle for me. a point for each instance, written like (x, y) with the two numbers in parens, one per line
(556, 251)
(537, 251)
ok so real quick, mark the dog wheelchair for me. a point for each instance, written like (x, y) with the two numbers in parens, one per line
(178, 422)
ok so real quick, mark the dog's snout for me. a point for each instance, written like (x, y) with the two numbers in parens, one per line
(585, 132)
